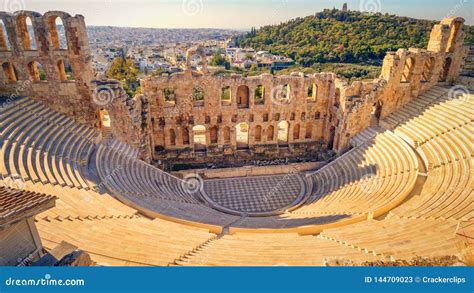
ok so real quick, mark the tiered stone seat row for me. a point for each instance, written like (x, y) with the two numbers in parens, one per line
(368, 181)
(147, 187)
(447, 152)
(413, 108)
(123, 241)
(272, 250)
(368, 177)
(41, 145)
(425, 224)
(399, 238)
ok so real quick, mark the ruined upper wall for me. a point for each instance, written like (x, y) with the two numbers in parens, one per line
(342, 110)
(260, 102)
(36, 64)
(319, 111)
(405, 74)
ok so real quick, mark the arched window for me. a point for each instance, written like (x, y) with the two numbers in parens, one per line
(172, 137)
(283, 127)
(226, 96)
(243, 96)
(169, 95)
(198, 96)
(213, 134)
(36, 71)
(428, 69)
(57, 32)
(185, 134)
(226, 135)
(377, 110)
(199, 137)
(259, 95)
(408, 70)
(104, 120)
(258, 133)
(309, 130)
(312, 92)
(10, 72)
(65, 70)
(26, 32)
(270, 133)
(5, 44)
(446, 67)
(242, 135)
(296, 132)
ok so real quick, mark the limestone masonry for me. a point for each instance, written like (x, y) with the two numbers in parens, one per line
(195, 115)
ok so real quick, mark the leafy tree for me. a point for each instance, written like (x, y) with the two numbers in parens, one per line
(126, 71)
(219, 60)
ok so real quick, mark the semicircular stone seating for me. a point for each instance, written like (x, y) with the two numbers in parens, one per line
(399, 193)
(439, 127)
(41, 145)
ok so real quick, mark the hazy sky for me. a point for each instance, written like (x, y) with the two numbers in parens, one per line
(237, 14)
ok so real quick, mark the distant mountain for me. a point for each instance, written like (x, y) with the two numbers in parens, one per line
(346, 37)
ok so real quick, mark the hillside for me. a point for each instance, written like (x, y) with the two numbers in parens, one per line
(334, 36)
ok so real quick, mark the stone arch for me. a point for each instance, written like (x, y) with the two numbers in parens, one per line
(296, 132)
(65, 69)
(170, 96)
(185, 135)
(23, 21)
(213, 133)
(377, 110)
(258, 133)
(283, 132)
(103, 120)
(243, 94)
(199, 137)
(198, 95)
(36, 71)
(5, 44)
(312, 92)
(259, 95)
(446, 68)
(242, 135)
(196, 51)
(408, 70)
(172, 135)
(226, 95)
(226, 132)
(428, 69)
(309, 130)
(270, 133)
(9, 71)
(54, 22)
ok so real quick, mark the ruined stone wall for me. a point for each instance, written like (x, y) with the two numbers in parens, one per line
(316, 112)
(37, 65)
(22, 62)
(128, 115)
(339, 112)
(406, 74)
(298, 101)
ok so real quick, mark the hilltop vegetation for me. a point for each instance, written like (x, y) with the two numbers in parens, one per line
(335, 36)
